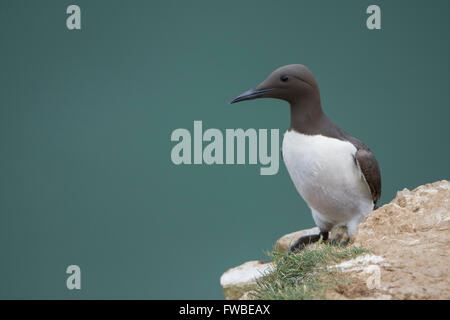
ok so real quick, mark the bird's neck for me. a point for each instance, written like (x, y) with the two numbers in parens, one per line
(307, 115)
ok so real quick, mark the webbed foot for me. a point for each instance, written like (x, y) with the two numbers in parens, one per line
(302, 242)
(339, 235)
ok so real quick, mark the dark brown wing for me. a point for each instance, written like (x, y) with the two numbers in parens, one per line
(371, 171)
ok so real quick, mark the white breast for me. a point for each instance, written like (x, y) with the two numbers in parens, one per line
(326, 175)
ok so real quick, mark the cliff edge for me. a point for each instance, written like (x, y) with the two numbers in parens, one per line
(408, 240)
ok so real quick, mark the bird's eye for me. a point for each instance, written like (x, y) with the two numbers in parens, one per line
(284, 78)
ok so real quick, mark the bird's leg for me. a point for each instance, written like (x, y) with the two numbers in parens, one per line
(302, 242)
(339, 235)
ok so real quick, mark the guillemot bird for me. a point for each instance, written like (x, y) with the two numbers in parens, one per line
(336, 174)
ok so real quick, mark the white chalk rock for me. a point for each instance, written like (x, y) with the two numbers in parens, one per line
(239, 281)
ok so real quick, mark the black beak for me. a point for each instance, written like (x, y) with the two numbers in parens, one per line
(249, 95)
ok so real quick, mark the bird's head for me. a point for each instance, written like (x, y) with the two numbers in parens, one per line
(292, 83)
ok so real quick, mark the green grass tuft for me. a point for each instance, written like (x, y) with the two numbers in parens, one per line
(304, 275)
